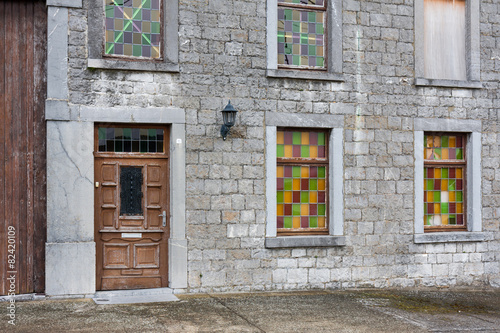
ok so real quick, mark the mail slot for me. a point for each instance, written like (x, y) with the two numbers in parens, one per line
(131, 234)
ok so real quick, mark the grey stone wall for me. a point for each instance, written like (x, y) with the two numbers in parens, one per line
(222, 55)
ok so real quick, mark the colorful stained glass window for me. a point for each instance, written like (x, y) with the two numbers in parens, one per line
(133, 28)
(444, 180)
(291, 144)
(301, 33)
(130, 140)
(301, 183)
(444, 147)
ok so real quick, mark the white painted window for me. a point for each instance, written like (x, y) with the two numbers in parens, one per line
(444, 39)
(447, 43)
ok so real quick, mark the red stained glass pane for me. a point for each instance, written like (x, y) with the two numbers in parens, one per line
(313, 172)
(304, 184)
(459, 141)
(280, 184)
(321, 197)
(288, 138)
(430, 173)
(313, 138)
(288, 209)
(296, 196)
(460, 219)
(430, 208)
(437, 184)
(288, 171)
(459, 184)
(313, 209)
(321, 151)
(452, 208)
(296, 151)
(452, 173)
(279, 221)
(304, 222)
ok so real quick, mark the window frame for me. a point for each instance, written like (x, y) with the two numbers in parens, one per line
(308, 162)
(472, 50)
(472, 129)
(335, 124)
(448, 163)
(169, 51)
(333, 55)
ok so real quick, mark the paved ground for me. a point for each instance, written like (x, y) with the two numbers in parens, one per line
(336, 311)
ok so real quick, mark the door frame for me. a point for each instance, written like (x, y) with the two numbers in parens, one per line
(134, 158)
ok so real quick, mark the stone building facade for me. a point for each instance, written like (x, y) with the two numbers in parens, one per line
(374, 101)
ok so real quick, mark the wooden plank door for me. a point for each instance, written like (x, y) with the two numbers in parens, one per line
(23, 40)
(132, 223)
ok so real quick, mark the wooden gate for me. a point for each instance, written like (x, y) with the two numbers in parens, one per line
(22, 145)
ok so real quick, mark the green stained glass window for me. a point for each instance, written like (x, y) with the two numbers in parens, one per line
(132, 28)
(444, 180)
(301, 181)
(131, 140)
(301, 33)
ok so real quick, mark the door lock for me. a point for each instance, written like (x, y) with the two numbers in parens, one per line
(164, 218)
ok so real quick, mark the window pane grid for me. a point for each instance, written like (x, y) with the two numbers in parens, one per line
(444, 147)
(130, 140)
(132, 28)
(443, 196)
(302, 181)
(301, 35)
(444, 184)
(301, 196)
(296, 144)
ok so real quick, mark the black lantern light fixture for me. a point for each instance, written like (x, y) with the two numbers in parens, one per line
(229, 117)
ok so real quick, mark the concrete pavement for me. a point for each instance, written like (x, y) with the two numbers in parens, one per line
(321, 311)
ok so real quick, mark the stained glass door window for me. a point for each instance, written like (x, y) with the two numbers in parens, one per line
(301, 33)
(302, 178)
(133, 28)
(130, 140)
(444, 181)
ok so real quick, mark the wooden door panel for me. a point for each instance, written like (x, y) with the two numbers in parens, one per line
(147, 255)
(131, 242)
(108, 217)
(116, 256)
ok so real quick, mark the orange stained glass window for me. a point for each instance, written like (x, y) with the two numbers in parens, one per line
(302, 171)
(444, 182)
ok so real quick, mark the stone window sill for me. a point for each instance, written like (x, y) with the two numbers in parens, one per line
(304, 241)
(133, 65)
(65, 3)
(449, 237)
(304, 75)
(448, 83)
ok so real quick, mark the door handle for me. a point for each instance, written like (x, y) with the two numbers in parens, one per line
(164, 218)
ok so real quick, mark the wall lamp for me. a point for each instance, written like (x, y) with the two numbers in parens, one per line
(229, 117)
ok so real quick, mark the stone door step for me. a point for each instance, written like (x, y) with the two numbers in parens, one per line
(134, 296)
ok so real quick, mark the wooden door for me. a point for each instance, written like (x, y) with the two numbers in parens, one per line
(23, 40)
(132, 221)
